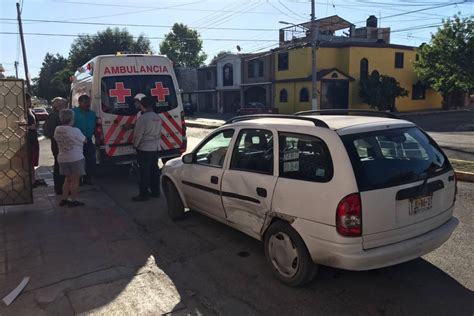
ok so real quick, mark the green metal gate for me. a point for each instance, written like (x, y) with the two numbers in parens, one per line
(15, 170)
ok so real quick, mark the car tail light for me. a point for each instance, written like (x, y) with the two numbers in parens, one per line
(349, 216)
(99, 132)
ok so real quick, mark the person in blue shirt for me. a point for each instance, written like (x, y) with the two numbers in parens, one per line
(85, 120)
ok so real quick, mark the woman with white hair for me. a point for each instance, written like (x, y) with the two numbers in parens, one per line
(70, 142)
(49, 127)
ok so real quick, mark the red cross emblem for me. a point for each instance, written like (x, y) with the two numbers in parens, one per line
(159, 91)
(120, 92)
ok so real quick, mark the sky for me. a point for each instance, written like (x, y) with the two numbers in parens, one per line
(251, 24)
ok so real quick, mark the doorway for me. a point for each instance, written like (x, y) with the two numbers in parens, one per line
(335, 94)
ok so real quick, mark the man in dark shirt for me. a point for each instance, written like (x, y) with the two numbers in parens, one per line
(49, 127)
(32, 139)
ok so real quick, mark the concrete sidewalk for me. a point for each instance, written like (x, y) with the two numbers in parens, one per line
(80, 260)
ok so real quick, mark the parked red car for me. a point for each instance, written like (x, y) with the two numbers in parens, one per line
(41, 114)
(255, 108)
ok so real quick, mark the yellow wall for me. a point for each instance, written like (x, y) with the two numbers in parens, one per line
(347, 60)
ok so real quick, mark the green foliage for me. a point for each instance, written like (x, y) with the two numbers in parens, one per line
(380, 92)
(183, 46)
(447, 62)
(52, 82)
(110, 41)
(219, 54)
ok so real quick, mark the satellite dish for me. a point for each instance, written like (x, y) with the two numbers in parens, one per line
(238, 48)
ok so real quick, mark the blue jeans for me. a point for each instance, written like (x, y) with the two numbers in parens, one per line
(90, 158)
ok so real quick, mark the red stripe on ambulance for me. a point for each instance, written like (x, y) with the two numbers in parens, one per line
(174, 123)
(119, 137)
(172, 134)
(112, 129)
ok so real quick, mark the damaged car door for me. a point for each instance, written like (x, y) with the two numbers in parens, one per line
(248, 183)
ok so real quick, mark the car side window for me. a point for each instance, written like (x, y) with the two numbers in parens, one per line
(213, 151)
(253, 151)
(304, 157)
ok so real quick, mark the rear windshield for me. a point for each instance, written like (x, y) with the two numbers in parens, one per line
(393, 157)
(117, 93)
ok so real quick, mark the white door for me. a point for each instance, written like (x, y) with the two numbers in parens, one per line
(201, 180)
(248, 183)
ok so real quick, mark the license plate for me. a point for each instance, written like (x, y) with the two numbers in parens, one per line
(421, 204)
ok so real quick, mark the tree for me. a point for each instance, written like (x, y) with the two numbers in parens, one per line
(380, 92)
(110, 41)
(50, 82)
(219, 54)
(447, 62)
(183, 46)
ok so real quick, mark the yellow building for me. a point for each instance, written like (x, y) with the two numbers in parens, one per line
(340, 68)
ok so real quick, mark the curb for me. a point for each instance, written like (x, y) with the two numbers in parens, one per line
(464, 176)
(202, 125)
(402, 114)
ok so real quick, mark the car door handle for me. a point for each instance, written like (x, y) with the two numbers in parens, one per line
(214, 180)
(262, 192)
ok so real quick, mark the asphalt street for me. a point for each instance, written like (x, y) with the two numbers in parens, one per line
(218, 270)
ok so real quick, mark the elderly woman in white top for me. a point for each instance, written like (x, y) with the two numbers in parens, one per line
(70, 157)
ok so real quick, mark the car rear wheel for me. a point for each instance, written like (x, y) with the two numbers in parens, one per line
(175, 204)
(288, 256)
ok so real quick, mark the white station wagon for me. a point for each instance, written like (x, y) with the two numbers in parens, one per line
(355, 192)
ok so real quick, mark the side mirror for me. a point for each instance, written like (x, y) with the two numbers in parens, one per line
(188, 158)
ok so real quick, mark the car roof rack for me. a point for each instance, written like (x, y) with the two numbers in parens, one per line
(349, 112)
(315, 121)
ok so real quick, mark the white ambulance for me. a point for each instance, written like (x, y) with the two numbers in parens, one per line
(112, 81)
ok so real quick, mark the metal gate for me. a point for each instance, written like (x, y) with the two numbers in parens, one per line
(15, 169)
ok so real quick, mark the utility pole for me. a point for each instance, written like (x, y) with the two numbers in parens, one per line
(25, 62)
(314, 67)
(16, 69)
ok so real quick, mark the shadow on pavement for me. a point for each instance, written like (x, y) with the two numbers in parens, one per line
(119, 257)
(218, 270)
(448, 121)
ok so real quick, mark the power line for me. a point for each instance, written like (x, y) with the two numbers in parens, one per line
(167, 8)
(142, 25)
(159, 38)
(291, 11)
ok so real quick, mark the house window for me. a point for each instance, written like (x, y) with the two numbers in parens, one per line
(228, 75)
(399, 60)
(418, 91)
(283, 95)
(364, 68)
(251, 69)
(304, 95)
(260, 68)
(282, 61)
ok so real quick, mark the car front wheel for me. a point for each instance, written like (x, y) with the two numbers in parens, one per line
(288, 256)
(175, 204)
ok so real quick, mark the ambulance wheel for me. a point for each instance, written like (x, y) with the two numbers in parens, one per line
(175, 204)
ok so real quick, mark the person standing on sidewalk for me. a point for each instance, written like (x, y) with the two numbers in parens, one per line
(31, 123)
(146, 140)
(85, 121)
(49, 127)
(70, 156)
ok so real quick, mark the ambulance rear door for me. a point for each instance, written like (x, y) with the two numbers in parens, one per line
(161, 83)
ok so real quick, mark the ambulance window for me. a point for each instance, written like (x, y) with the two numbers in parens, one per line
(117, 93)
